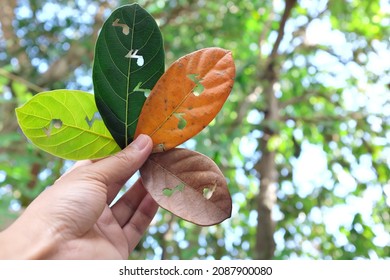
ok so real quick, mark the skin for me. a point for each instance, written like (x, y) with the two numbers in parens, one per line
(74, 218)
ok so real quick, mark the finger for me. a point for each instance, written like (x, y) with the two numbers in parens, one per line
(117, 169)
(139, 222)
(73, 167)
(127, 205)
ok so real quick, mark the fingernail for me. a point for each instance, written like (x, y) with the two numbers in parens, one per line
(141, 141)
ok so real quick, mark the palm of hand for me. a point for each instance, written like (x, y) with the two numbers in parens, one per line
(87, 226)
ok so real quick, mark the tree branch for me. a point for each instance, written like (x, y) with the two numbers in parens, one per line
(316, 118)
(298, 99)
(21, 80)
(286, 14)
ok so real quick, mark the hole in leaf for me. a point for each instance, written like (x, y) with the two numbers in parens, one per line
(208, 192)
(180, 187)
(57, 123)
(144, 90)
(199, 88)
(54, 123)
(133, 54)
(125, 27)
(96, 116)
(169, 192)
(182, 122)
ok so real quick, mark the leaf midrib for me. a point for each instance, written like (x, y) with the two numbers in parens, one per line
(184, 99)
(64, 124)
(128, 82)
(189, 187)
(173, 112)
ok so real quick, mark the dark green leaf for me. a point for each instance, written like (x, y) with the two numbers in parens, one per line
(129, 60)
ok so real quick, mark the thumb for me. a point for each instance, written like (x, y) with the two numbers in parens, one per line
(121, 166)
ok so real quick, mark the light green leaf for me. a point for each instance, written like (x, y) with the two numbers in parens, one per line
(66, 123)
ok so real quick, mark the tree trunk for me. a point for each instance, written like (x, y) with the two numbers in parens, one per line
(266, 167)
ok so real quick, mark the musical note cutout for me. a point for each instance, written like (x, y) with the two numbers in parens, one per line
(208, 191)
(198, 86)
(54, 123)
(144, 90)
(133, 54)
(169, 192)
(182, 122)
(96, 117)
(125, 27)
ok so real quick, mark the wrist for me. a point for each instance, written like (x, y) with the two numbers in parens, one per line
(26, 243)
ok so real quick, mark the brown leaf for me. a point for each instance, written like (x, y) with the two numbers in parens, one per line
(188, 184)
(187, 97)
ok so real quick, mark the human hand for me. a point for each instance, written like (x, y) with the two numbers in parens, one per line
(73, 219)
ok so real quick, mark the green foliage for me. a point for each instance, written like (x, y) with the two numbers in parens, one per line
(24, 172)
(333, 97)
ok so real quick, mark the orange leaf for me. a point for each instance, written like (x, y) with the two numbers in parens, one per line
(187, 97)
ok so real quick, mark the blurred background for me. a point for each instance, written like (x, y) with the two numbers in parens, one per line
(303, 140)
